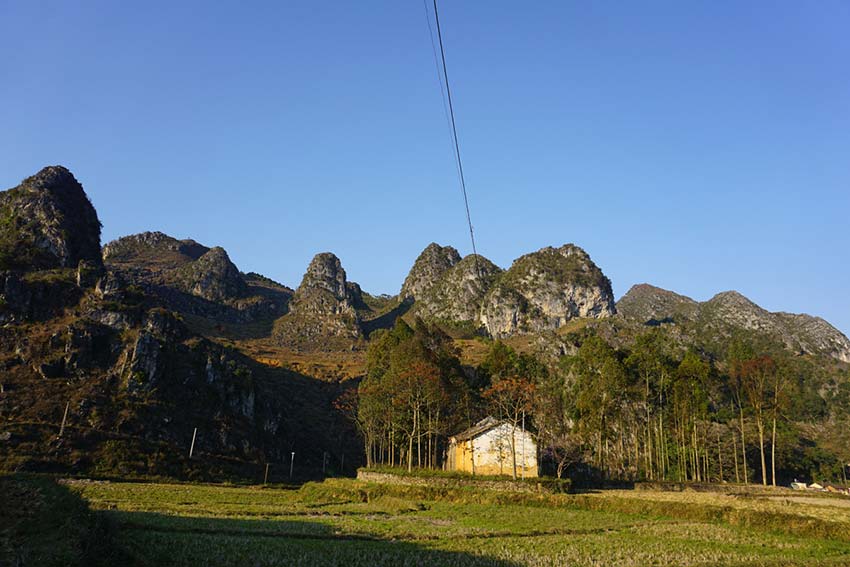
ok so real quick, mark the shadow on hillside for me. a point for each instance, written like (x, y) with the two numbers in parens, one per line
(159, 539)
(387, 320)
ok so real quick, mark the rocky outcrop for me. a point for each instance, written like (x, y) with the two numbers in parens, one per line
(652, 305)
(194, 279)
(427, 270)
(48, 222)
(458, 294)
(545, 289)
(541, 291)
(153, 248)
(324, 305)
(729, 312)
(214, 277)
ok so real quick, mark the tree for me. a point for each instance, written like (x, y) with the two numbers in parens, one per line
(600, 391)
(412, 390)
(553, 411)
(740, 351)
(690, 408)
(651, 365)
(758, 375)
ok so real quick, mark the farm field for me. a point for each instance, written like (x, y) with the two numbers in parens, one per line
(346, 522)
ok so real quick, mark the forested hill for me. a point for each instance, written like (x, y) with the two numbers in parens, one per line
(152, 336)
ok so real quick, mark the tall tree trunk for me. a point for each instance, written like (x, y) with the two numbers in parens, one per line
(513, 451)
(735, 453)
(720, 453)
(773, 451)
(760, 425)
(410, 445)
(743, 446)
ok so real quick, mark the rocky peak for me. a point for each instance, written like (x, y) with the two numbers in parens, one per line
(325, 272)
(325, 290)
(324, 305)
(545, 289)
(214, 277)
(732, 307)
(48, 222)
(429, 266)
(153, 247)
(729, 312)
(649, 304)
(458, 294)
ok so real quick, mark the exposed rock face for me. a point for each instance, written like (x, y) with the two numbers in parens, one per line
(652, 305)
(458, 294)
(214, 277)
(816, 335)
(192, 278)
(153, 247)
(428, 268)
(325, 272)
(325, 304)
(728, 311)
(48, 222)
(545, 289)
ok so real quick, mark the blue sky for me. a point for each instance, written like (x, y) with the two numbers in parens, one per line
(699, 146)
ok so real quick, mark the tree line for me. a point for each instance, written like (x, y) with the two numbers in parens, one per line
(651, 411)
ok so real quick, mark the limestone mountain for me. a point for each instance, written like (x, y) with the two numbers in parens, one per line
(652, 304)
(428, 268)
(729, 312)
(192, 278)
(325, 305)
(457, 295)
(152, 250)
(545, 289)
(214, 277)
(135, 377)
(48, 222)
(540, 292)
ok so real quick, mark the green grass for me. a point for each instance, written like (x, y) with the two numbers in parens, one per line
(345, 522)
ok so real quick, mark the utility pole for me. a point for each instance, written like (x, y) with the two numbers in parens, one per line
(192, 447)
(64, 418)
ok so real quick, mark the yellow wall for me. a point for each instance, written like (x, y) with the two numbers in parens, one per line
(488, 464)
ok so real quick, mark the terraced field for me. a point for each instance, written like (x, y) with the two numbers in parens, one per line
(345, 522)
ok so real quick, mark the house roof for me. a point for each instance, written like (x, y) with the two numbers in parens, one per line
(482, 426)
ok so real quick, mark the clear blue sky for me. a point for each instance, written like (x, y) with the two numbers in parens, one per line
(699, 146)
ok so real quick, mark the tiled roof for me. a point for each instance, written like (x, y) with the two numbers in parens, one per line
(482, 426)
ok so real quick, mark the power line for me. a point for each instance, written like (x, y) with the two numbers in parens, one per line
(454, 136)
(439, 74)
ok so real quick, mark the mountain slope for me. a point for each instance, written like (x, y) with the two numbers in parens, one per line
(136, 380)
(727, 312)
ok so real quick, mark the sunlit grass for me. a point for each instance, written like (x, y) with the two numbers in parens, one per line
(350, 523)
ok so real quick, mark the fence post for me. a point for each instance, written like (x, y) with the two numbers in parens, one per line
(291, 464)
(266, 476)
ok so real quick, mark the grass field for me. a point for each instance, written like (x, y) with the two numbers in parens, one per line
(345, 522)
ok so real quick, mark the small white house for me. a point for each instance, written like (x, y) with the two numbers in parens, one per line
(491, 447)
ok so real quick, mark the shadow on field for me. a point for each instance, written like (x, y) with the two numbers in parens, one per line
(159, 539)
(44, 524)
